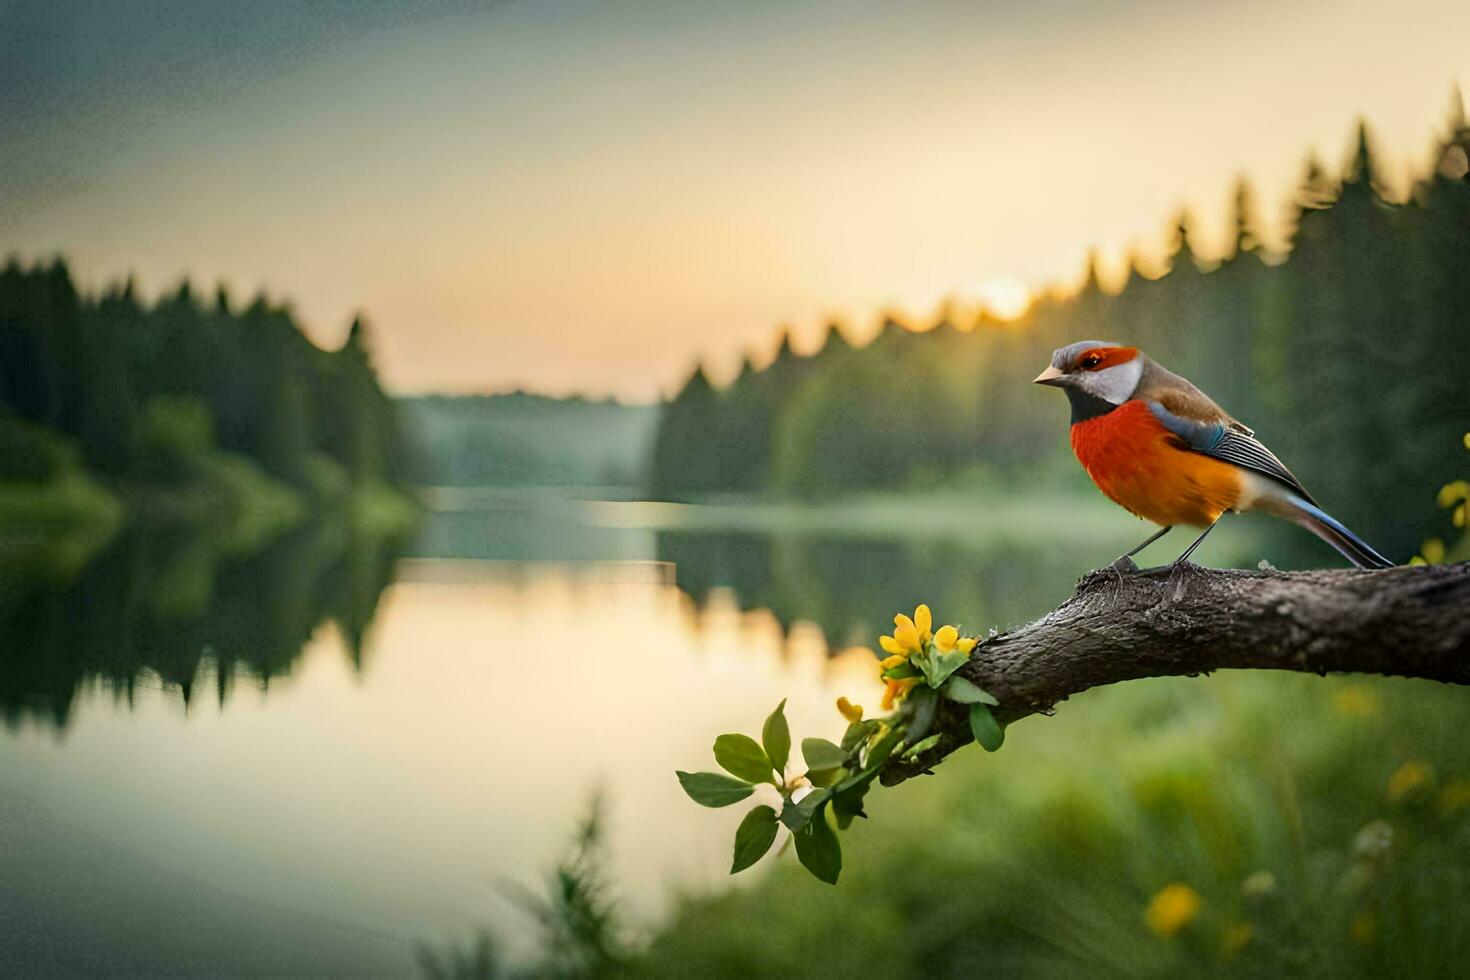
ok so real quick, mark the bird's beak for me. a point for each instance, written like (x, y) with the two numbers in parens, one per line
(1051, 376)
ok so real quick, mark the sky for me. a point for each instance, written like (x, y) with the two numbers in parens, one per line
(591, 197)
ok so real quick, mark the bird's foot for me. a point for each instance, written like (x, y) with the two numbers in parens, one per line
(1117, 571)
(1123, 566)
(1181, 570)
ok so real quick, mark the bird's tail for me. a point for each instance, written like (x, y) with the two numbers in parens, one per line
(1331, 530)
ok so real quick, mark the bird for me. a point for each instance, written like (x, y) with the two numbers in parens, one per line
(1164, 451)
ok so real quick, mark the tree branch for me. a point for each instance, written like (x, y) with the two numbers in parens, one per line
(1122, 624)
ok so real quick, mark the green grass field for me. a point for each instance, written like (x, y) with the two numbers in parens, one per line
(1280, 824)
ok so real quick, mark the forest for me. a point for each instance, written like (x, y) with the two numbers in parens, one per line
(190, 410)
(1344, 351)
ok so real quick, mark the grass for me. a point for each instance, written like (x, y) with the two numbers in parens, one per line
(1324, 826)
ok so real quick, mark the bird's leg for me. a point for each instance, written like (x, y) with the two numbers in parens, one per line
(1197, 542)
(1147, 541)
(1124, 563)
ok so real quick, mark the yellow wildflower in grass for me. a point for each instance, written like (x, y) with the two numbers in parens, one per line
(1453, 491)
(1410, 778)
(1237, 937)
(1173, 908)
(852, 712)
(1454, 797)
(1356, 701)
(966, 644)
(1364, 928)
(1431, 551)
(945, 638)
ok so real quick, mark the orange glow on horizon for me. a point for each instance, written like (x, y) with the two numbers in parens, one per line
(1006, 298)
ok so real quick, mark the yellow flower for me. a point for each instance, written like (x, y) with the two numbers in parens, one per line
(946, 638)
(1236, 938)
(1410, 777)
(966, 644)
(923, 620)
(1451, 492)
(888, 663)
(1364, 928)
(896, 690)
(1433, 551)
(1466, 440)
(852, 712)
(1356, 701)
(909, 635)
(1454, 797)
(1458, 518)
(1171, 909)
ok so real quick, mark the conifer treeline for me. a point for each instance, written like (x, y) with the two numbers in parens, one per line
(1347, 354)
(134, 387)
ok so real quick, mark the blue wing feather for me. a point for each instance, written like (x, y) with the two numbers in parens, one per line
(1230, 444)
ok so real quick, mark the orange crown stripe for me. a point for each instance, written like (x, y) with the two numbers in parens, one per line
(1110, 356)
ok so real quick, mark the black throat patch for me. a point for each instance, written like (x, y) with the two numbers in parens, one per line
(1086, 406)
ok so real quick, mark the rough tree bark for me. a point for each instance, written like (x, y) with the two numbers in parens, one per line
(1122, 624)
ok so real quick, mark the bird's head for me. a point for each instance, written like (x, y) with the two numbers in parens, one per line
(1095, 369)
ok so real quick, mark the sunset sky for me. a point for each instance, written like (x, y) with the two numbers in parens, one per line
(588, 197)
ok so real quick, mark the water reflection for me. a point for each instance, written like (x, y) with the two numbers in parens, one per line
(380, 805)
(290, 744)
(849, 587)
(158, 607)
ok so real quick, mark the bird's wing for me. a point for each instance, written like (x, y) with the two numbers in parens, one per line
(1227, 440)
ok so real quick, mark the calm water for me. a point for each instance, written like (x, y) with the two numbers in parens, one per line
(311, 758)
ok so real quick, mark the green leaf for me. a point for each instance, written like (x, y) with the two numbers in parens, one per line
(776, 738)
(796, 815)
(922, 746)
(713, 789)
(941, 665)
(741, 755)
(965, 692)
(818, 849)
(848, 803)
(987, 730)
(924, 704)
(879, 753)
(826, 777)
(754, 837)
(902, 671)
(857, 732)
(821, 754)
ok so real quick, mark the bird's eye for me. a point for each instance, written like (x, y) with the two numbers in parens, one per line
(1091, 361)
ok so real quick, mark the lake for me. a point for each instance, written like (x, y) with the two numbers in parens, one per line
(311, 758)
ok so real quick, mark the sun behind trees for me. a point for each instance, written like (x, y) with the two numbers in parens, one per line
(1346, 352)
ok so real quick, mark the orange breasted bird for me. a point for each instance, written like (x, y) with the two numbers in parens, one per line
(1161, 449)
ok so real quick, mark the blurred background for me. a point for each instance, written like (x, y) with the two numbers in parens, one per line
(423, 429)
